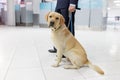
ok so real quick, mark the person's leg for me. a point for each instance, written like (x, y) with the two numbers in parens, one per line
(58, 10)
(54, 50)
(65, 14)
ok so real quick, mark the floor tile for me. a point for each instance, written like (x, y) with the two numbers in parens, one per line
(25, 74)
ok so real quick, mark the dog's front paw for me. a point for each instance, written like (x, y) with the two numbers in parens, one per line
(55, 65)
(71, 67)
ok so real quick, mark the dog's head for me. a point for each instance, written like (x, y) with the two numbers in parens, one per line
(54, 20)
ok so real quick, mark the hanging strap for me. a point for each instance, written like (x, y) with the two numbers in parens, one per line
(70, 23)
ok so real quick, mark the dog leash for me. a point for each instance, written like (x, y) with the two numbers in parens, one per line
(70, 25)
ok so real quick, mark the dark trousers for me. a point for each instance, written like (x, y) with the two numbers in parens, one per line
(65, 13)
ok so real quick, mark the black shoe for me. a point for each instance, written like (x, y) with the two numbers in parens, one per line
(52, 50)
(63, 56)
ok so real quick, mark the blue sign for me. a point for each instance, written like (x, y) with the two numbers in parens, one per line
(45, 6)
(83, 4)
(17, 7)
(96, 3)
(48, 6)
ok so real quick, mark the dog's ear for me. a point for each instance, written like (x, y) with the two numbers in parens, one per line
(62, 20)
(46, 16)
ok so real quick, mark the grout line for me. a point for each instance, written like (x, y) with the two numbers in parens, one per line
(45, 78)
(82, 75)
(9, 64)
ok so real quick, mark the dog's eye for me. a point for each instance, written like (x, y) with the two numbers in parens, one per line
(57, 18)
(50, 16)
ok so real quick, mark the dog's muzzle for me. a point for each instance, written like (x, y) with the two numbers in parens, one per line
(51, 24)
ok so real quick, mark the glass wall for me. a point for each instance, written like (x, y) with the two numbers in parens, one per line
(92, 13)
(113, 18)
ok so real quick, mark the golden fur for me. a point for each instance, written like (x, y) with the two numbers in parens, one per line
(67, 45)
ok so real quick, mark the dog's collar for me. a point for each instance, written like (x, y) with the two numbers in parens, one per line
(55, 29)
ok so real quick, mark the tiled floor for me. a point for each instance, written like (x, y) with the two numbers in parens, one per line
(24, 55)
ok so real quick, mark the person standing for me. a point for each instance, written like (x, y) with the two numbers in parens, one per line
(67, 9)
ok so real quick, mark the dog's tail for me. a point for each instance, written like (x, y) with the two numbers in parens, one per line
(96, 68)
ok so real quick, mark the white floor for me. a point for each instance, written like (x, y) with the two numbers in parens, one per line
(24, 55)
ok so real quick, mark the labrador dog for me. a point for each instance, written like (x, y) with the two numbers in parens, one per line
(67, 44)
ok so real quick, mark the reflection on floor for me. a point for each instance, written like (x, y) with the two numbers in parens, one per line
(24, 55)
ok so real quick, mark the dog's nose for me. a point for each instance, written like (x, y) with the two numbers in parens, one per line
(51, 23)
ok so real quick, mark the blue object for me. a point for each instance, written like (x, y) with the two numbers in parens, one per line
(70, 21)
(17, 7)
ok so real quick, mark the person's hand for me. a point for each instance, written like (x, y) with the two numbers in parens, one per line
(71, 8)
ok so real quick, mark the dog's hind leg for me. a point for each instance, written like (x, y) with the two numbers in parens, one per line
(72, 66)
